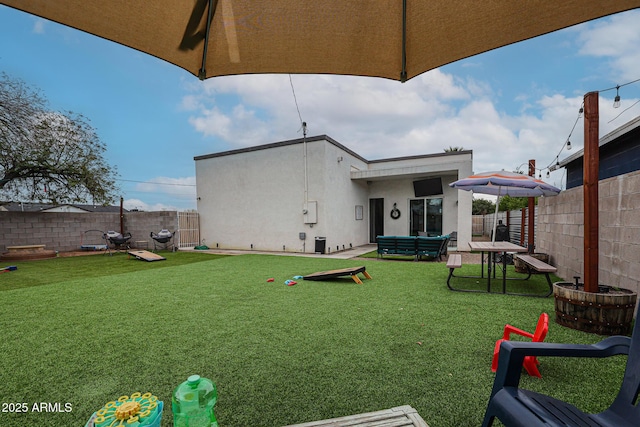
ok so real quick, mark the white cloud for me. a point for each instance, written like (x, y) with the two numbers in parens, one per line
(618, 39)
(183, 188)
(174, 193)
(240, 126)
(380, 118)
(190, 103)
(137, 204)
(39, 26)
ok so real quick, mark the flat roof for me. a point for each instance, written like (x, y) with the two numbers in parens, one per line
(329, 140)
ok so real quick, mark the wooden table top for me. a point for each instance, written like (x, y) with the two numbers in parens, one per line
(496, 247)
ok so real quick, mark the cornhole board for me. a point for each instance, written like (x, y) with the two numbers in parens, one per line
(145, 255)
(332, 274)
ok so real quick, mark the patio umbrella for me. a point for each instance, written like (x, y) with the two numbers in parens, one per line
(505, 184)
(394, 39)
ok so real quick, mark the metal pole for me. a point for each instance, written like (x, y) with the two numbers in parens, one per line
(121, 217)
(306, 172)
(532, 207)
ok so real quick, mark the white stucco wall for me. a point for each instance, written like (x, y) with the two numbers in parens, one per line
(340, 196)
(254, 198)
(257, 198)
(242, 202)
(465, 207)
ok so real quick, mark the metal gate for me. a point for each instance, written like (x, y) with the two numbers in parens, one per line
(188, 229)
(516, 220)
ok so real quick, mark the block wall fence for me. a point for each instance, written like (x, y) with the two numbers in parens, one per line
(65, 231)
(560, 231)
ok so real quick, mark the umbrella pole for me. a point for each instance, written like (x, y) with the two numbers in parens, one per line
(495, 219)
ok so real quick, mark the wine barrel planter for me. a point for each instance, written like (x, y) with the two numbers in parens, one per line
(521, 267)
(609, 312)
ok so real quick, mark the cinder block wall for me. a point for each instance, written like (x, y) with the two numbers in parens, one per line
(560, 224)
(141, 224)
(62, 231)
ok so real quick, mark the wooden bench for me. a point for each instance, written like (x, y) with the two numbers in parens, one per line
(401, 416)
(534, 264)
(27, 252)
(454, 261)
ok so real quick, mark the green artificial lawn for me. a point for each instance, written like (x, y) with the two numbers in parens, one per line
(87, 330)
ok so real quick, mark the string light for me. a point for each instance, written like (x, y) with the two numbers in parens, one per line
(616, 100)
(555, 164)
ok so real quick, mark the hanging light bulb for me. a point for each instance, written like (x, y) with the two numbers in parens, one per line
(548, 174)
(581, 110)
(568, 145)
(616, 100)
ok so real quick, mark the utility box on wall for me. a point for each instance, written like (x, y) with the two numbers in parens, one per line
(310, 212)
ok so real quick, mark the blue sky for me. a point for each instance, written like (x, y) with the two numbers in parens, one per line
(509, 105)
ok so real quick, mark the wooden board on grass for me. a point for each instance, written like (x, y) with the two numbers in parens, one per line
(331, 274)
(145, 255)
(404, 416)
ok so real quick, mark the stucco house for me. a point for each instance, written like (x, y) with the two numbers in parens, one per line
(49, 207)
(316, 195)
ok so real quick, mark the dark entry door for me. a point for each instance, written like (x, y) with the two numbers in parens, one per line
(376, 219)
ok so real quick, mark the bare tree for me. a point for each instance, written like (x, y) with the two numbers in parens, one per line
(49, 156)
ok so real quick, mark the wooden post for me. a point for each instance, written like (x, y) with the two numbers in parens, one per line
(523, 219)
(590, 185)
(121, 216)
(532, 207)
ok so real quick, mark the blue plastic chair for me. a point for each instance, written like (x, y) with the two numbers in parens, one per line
(518, 407)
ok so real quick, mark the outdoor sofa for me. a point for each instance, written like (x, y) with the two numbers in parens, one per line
(417, 246)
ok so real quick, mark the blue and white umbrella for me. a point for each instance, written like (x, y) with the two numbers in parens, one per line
(505, 184)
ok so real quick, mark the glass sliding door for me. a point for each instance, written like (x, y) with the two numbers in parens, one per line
(376, 219)
(416, 220)
(434, 217)
(426, 216)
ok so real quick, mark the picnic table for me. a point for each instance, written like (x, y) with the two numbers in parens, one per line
(492, 249)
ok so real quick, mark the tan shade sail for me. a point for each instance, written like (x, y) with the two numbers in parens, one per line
(395, 39)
